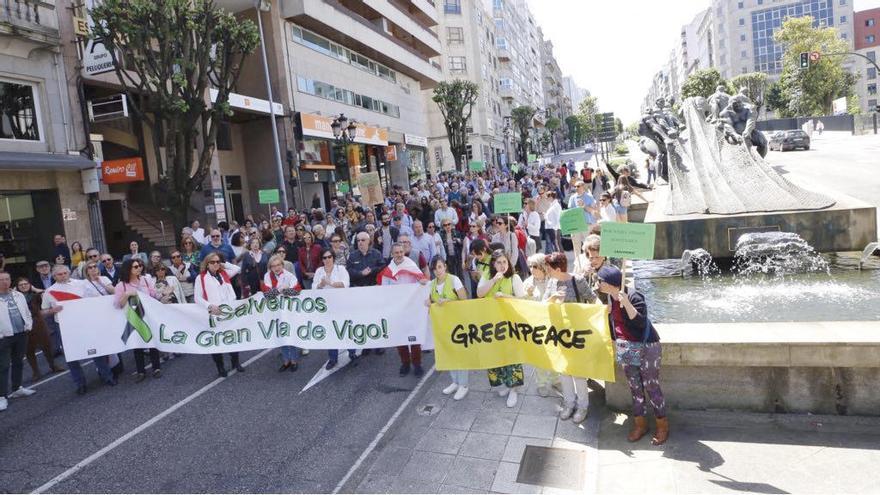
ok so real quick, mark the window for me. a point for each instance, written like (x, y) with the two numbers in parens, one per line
(842, 19)
(457, 65)
(842, 2)
(869, 22)
(872, 56)
(224, 135)
(19, 118)
(869, 38)
(452, 6)
(454, 35)
(872, 73)
(330, 92)
(742, 37)
(872, 104)
(742, 22)
(739, 5)
(329, 48)
(872, 89)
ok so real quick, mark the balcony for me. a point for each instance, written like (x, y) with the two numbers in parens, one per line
(404, 26)
(505, 91)
(27, 25)
(333, 20)
(425, 11)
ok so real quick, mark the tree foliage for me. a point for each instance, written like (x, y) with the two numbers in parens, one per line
(575, 135)
(456, 100)
(552, 126)
(521, 118)
(756, 85)
(588, 112)
(174, 52)
(703, 83)
(776, 99)
(811, 91)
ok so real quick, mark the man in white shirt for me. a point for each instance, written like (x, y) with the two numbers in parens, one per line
(552, 225)
(422, 242)
(530, 221)
(445, 212)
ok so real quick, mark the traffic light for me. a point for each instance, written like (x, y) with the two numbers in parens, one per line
(805, 60)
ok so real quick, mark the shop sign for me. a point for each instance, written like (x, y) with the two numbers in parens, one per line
(391, 153)
(320, 126)
(124, 170)
(413, 140)
(249, 103)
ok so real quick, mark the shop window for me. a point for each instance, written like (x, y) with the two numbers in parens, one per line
(224, 136)
(316, 152)
(19, 113)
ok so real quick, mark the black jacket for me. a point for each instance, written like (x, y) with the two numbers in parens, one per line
(636, 326)
(358, 261)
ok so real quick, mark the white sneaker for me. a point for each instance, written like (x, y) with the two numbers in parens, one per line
(450, 389)
(305, 352)
(22, 392)
(460, 393)
(511, 398)
(504, 391)
(3, 403)
(579, 416)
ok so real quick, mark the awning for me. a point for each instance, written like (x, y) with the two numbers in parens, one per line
(36, 162)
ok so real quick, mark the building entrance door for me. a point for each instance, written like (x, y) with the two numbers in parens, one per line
(234, 200)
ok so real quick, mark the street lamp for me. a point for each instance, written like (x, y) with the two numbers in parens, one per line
(344, 130)
(264, 6)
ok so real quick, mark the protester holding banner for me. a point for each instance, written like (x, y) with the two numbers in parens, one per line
(562, 287)
(213, 288)
(133, 283)
(503, 282)
(444, 288)
(276, 281)
(65, 289)
(331, 275)
(402, 270)
(99, 283)
(637, 346)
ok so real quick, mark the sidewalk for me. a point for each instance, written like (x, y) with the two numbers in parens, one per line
(476, 445)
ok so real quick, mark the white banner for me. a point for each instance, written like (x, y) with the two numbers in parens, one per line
(354, 318)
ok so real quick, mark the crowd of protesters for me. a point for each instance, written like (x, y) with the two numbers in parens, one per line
(443, 232)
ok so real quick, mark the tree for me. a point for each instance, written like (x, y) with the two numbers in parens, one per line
(521, 118)
(703, 83)
(574, 130)
(632, 130)
(777, 100)
(456, 100)
(174, 52)
(811, 91)
(756, 86)
(552, 125)
(588, 112)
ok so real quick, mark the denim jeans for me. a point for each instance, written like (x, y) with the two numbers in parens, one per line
(333, 354)
(11, 355)
(290, 353)
(550, 241)
(459, 377)
(54, 334)
(102, 364)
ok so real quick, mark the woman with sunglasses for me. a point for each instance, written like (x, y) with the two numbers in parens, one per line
(332, 275)
(444, 288)
(278, 281)
(189, 250)
(133, 283)
(213, 288)
(503, 282)
(101, 284)
(504, 236)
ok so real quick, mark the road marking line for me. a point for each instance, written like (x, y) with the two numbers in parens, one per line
(372, 446)
(155, 419)
(55, 375)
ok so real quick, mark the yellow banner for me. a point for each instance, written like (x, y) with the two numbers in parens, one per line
(572, 339)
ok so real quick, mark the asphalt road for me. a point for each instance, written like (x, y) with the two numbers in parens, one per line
(252, 432)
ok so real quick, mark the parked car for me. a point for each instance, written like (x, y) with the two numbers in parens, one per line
(789, 140)
(589, 148)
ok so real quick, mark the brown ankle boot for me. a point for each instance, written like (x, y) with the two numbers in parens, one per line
(638, 430)
(662, 432)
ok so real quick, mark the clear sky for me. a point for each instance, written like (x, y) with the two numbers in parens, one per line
(613, 48)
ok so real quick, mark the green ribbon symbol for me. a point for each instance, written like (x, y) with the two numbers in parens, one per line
(134, 314)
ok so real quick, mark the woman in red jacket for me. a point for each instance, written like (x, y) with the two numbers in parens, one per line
(309, 259)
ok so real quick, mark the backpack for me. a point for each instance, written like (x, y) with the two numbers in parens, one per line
(625, 199)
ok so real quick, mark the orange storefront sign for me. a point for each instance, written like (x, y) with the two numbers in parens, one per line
(320, 126)
(124, 170)
(391, 153)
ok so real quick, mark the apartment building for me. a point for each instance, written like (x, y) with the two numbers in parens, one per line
(557, 104)
(467, 33)
(45, 178)
(866, 39)
(574, 93)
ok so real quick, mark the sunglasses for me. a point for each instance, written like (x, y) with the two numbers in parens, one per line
(326, 257)
(136, 265)
(336, 241)
(215, 237)
(93, 256)
(447, 225)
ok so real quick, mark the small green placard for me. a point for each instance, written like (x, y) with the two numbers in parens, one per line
(476, 166)
(343, 187)
(269, 196)
(508, 202)
(573, 220)
(628, 240)
(533, 158)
